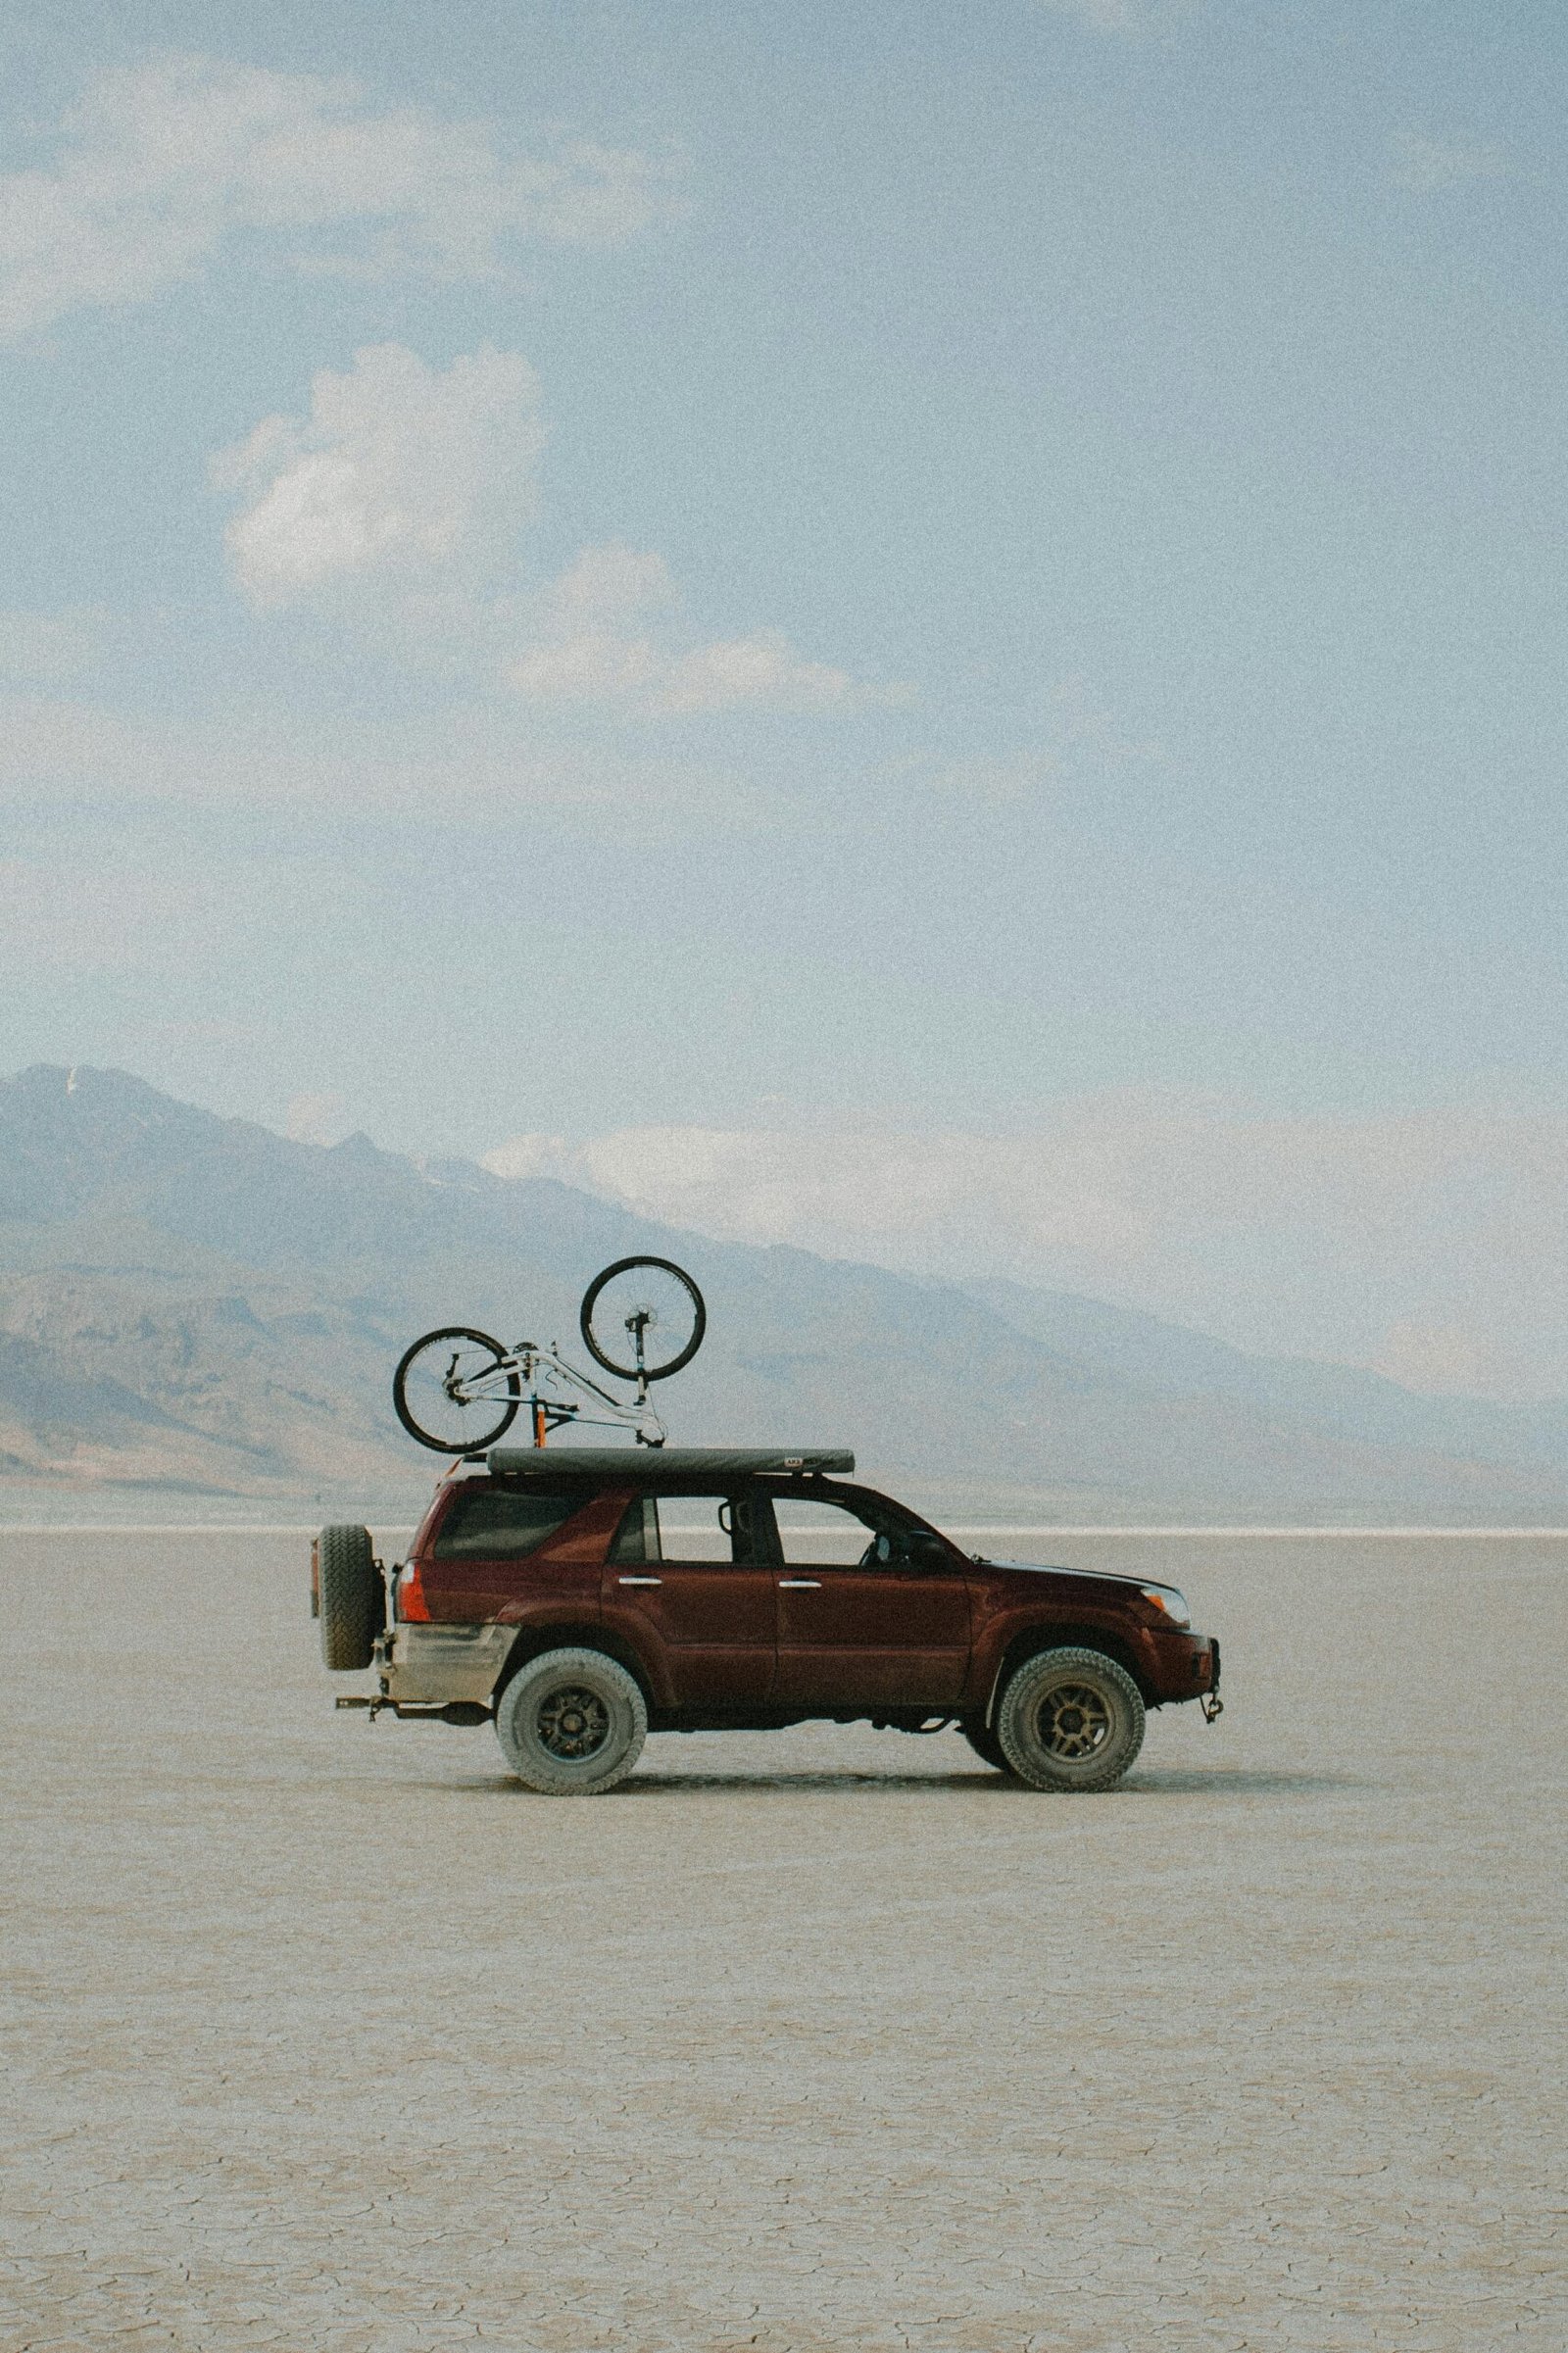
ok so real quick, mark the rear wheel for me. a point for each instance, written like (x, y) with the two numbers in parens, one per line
(1070, 1720)
(456, 1392)
(351, 1601)
(571, 1723)
(983, 1741)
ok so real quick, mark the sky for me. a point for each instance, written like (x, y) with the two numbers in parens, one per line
(934, 632)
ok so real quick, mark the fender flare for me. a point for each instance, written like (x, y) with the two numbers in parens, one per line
(575, 1635)
(1033, 1639)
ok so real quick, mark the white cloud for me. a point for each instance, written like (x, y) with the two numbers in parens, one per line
(612, 587)
(1427, 1244)
(1081, 739)
(761, 670)
(161, 163)
(1424, 166)
(401, 470)
(610, 632)
(593, 667)
(402, 496)
(590, 629)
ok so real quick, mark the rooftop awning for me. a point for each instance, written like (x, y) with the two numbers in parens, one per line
(642, 1465)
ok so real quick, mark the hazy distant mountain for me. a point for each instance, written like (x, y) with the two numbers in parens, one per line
(1339, 1400)
(196, 1301)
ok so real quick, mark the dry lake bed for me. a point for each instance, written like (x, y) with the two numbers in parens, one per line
(324, 2035)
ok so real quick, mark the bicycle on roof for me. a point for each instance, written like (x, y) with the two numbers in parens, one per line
(457, 1391)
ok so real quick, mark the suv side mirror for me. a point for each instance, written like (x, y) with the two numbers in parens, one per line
(925, 1550)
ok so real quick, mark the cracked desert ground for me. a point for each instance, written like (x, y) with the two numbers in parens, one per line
(325, 2037)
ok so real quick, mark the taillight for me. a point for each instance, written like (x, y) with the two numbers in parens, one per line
(411, 1604)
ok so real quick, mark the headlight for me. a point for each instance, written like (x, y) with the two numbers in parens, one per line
(1165, 1597)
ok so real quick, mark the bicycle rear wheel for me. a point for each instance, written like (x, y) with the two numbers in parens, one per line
(456, 1391)
(643, 1318)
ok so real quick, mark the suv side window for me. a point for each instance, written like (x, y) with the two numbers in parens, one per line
(715, 1527)
(497, 1522)
(817, 1533)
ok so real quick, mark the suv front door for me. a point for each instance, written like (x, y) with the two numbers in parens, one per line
(871, 1613)
(695, 1575)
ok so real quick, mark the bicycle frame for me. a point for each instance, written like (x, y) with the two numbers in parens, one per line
(543, 1370)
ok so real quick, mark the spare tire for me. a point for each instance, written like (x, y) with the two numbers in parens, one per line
(350, 1596)
(984, 1741)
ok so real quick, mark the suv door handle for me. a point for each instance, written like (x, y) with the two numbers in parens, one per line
(640, 1581)
(800, 1585)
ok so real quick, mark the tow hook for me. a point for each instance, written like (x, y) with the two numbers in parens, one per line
(373, 1707)
(1212, 1705)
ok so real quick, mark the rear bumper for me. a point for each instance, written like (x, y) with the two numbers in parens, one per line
(426, 1666)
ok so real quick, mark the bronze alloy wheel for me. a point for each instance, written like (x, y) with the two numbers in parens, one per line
(1072, 1720)
(573, 1723)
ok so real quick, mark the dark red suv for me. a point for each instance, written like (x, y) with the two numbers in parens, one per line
(584, 1597)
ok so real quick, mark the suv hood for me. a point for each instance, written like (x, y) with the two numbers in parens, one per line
(1041, 1568)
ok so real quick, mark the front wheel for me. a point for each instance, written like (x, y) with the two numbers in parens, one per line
(456, 1391)
(643, 1318)
(1070, 1720)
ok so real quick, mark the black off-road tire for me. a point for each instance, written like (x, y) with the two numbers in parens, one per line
(593, 1342)
(985, 1744)
(351, 1601)
(1070, 1720)
(465, 1442)
(571, 1723)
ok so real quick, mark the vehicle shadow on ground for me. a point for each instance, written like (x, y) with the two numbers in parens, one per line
(1220, 1781)
(1178, 1782)
(1240, 1781)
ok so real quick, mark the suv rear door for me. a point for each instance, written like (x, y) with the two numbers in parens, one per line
(863, 1632)
(695, 1575)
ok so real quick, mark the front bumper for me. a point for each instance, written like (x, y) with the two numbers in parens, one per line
(1186, 1666)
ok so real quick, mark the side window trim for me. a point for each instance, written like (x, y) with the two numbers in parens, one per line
(765, 1542)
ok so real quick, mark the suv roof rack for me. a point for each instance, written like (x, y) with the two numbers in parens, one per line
(642, 1464)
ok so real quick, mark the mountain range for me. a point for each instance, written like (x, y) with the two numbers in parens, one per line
(197, 1304)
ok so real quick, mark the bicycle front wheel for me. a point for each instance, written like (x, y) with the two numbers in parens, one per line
(643, 1318)
(456, 1391)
